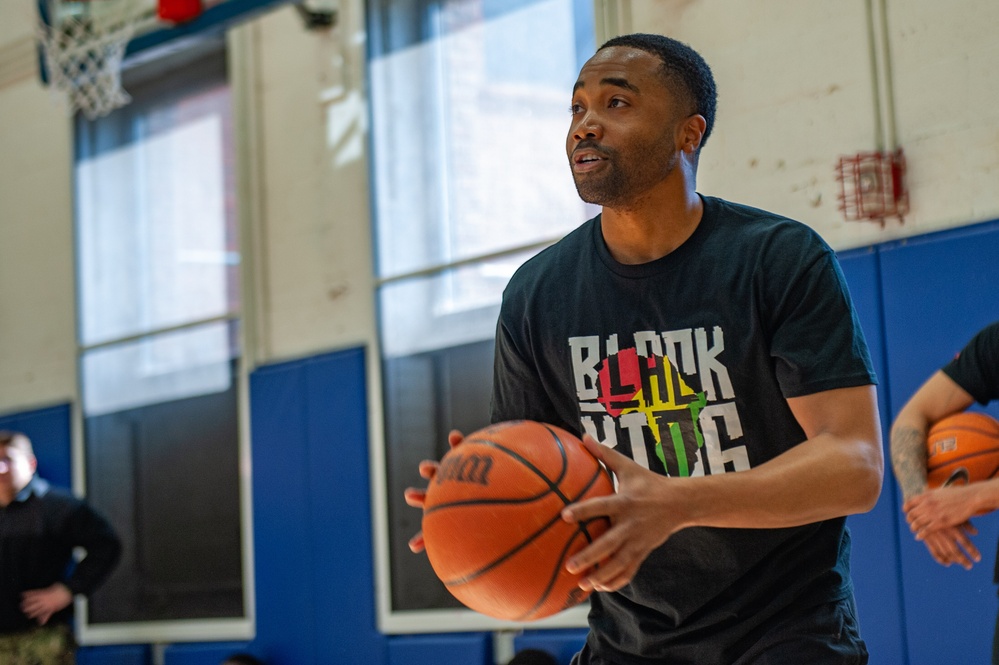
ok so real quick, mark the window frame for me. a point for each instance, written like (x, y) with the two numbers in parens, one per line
(183, 630)
(389, 619)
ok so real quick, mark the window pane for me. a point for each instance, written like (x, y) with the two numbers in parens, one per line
(166, 476)
(158, 296)
(427, 395)
(470, 108)
(455, 307)
(469, 133)
(156, 224)
(158, 368)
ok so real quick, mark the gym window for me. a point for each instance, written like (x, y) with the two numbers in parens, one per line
(161, 376)
(469, 103)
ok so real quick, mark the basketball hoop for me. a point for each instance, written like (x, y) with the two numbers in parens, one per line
(83, 45)
(872, 186)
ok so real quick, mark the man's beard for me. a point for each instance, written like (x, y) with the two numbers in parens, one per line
(603, 191)
(619, 187)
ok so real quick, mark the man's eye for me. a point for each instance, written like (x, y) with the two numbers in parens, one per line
(575, 108)
(614, 103)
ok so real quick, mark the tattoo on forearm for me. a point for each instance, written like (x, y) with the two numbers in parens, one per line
(908, 458)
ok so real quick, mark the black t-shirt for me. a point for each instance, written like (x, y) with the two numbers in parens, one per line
(684, 364)
(976, 367)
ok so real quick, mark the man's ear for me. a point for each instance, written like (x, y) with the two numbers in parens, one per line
(691, 133)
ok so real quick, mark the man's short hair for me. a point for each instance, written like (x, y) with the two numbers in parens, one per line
(16, 440)
(684, 72)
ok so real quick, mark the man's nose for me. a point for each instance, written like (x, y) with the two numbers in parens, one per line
(589, 127)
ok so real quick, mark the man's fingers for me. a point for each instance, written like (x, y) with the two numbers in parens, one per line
(595, 553)
(967, 545)
(34, 607)
(952, 545)
(428, 468)
(615, 583)
(31, 600)
(415, 497)
(610, 574)
(588, 509)
(39, 614)
(611, 458)
(961, 559)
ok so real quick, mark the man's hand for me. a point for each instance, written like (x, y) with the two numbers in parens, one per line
(940, 519)
(953, 545)
(415, 496)
(41, 604)
(943, 507)
(639, 523)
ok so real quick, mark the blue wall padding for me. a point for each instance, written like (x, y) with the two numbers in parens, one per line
(51, 434)
(210, 653)
(562, 644)
(128, 654)
(285, 593)
(312, 517)
(457, 649)
(939, 290)
(874, 536)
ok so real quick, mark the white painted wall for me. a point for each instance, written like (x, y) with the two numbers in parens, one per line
(795, 93)
(37, 315)
(302, 100)
(946, 58)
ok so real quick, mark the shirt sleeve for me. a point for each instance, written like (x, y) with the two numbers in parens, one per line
(518, 393)
(976, 367)
(87, 529)
(817, 342)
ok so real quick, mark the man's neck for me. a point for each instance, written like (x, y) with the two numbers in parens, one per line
(651, 227)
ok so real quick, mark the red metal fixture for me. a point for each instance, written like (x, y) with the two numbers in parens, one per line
(872, 186)
(179, 11)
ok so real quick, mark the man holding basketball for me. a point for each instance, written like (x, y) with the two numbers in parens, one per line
(940, 517)
(713, 352)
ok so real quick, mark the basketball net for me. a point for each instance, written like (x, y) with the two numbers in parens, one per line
(83, 53)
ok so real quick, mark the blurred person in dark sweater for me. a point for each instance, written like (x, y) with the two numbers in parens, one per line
(40, 527)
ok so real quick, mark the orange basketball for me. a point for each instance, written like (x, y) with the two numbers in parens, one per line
(962, 449)
(492, 520)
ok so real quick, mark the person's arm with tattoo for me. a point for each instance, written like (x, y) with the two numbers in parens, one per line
(946, 509)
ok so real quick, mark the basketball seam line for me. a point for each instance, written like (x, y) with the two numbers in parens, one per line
(552, 579)
(527, 541)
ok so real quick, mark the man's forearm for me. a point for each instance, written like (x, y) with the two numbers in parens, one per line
(908, 459)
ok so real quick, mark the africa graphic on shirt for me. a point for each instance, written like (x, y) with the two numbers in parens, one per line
(639, 390)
